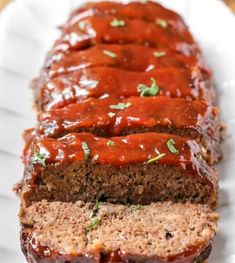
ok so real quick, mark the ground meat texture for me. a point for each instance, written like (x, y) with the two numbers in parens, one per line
(79, 232)
(117, 169)
(193, 119)
(101, 82)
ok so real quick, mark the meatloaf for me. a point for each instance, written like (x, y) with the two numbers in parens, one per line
(120, 165)
(103, 232)
(120, 56)
(137, 168)
(112, 117)
(133, 10)
(102, 82)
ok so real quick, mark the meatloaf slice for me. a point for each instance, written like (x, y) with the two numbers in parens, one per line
(95, 29)
(79, 232)
(120, 56)
(112, 117)
(149, 11)
(107, 81)
(138, 168)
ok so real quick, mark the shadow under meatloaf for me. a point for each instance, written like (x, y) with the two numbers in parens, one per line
(138, 168)
(128, 57)
(101, 82)
(112, 117)
(101, 233)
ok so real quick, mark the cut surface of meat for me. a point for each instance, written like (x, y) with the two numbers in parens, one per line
(79, 232)
(154, 166)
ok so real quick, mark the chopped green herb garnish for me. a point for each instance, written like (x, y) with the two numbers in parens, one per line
(159, 54)
(95, 209)
(148, 91)
(86, 151)
(96, 206)
(117, 23)
(111, 143)
(111, 114)
(170, 144)
(120, 106)
(157, 158)
(93, 224)
(137, 207)
(40, 158)
(82, 25)
(163, 23)
(143, 1)
(109, 53)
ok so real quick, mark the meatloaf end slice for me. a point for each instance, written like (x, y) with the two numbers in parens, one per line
(104, 232)
(137, 168)
(149, 11)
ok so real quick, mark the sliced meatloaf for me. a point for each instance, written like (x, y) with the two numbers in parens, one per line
(112, 117)
(79, 232)
(138, 168)
(95, 29)
(126, 57)
(103, 82)
(150, 12)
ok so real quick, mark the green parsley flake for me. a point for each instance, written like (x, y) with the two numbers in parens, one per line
(120, 106)
(82, 25)
(157, 158)
(159, 54)
(109, 53)
(95, 209)
(137, 207)
(86, 151)
(145, 91)
(117, 23)
(111, 114)
(96, 206)
(170, 144)
(93, 224)
(161, 22)
(111, 143)
(40, 158)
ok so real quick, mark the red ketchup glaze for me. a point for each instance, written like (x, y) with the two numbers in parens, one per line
(38, 253)
(143, 112)
(122, 257)
(106, 81)
(130, 149)
(45, 254)
(150, 11)
(128, 57)
(98, 29)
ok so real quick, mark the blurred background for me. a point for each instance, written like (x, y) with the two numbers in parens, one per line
(230, 3)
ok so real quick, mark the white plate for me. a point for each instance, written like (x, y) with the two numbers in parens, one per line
(27, 31)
